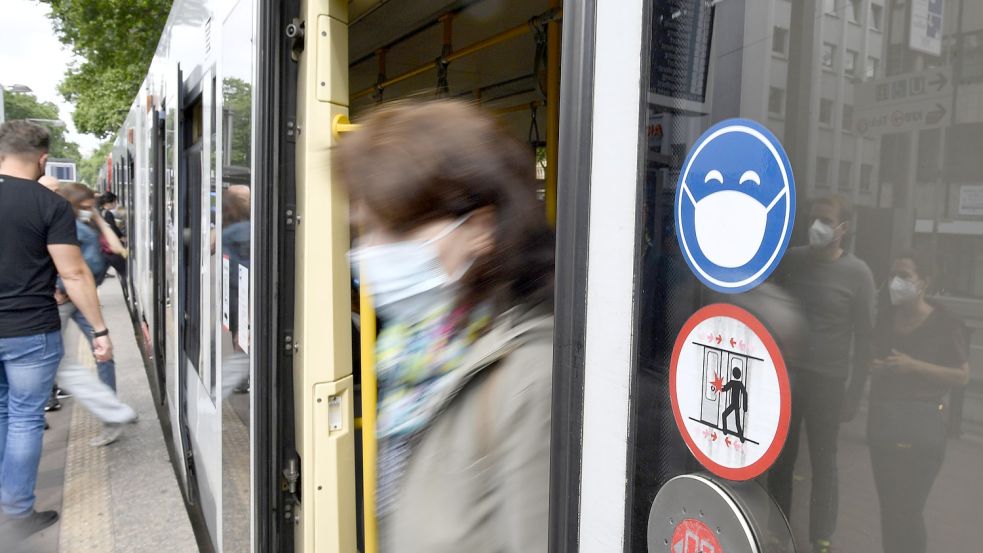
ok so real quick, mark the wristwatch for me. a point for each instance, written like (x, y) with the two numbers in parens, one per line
(100, 333)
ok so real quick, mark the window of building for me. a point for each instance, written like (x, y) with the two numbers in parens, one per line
(850, 62)
(826, 111)
(855, 11)
(776, 100)
(829, 53)
(866, 172)
(822, 171)
(829, 6)
(872, 66)
(846, 167)
(876, 16)
(847, 117)
(779, 41)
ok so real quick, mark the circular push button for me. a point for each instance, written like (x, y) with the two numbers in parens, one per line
(696, 513)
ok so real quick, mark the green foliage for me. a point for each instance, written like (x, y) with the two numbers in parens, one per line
(90, 166)
(115, 41)
(24, 105)
(237, 97)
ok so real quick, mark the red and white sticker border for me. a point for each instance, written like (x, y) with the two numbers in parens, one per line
(778, 442)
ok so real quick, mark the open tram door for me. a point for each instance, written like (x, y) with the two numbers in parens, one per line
(723, 380)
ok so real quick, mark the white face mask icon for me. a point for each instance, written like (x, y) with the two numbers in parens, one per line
(727, 241)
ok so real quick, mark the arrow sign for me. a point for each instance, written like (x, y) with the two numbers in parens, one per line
(719, 338)
(935, 115)
(727, 441)
(713, 436)
(732, 342)
(939, 82)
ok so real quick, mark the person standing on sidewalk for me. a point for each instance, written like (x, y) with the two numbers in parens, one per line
(37, 241)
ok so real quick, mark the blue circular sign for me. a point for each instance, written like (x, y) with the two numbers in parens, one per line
(735, 205)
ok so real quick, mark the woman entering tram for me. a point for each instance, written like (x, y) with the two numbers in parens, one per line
(458, 257)
(922, 356)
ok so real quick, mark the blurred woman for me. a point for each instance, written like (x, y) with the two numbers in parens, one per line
(98, 395)
(457, 255)
(922, 356)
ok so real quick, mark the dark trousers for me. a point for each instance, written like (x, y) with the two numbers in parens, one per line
(905, 467)
(816, 401)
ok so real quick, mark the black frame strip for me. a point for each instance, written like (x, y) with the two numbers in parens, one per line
(573, 213)
(273, 195)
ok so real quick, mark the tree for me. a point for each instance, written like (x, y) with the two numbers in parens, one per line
(90, 166)
(115, 41)
(24, 105)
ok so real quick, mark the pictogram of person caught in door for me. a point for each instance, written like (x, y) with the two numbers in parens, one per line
(726, 397)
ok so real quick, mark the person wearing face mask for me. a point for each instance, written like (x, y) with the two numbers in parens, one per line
(37, 241)
(922, 356)
(828, 372)
(98, 395)
(458, 257)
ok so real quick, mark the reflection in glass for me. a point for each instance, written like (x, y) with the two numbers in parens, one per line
(887, 409)
(234, 264)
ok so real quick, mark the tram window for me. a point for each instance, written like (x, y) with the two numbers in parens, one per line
(190, 230)
(232, 311)
(879, 321)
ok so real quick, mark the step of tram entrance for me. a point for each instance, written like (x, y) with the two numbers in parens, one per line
(119, 498)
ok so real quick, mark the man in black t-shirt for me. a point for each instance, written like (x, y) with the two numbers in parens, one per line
(37, 242)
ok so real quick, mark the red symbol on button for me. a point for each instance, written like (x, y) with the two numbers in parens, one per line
(719, 338)
(733, 342)
(693, 536)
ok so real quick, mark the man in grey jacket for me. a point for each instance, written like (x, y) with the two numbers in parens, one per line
(836, 292)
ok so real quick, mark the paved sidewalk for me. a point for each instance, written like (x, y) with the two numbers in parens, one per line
(123, 498)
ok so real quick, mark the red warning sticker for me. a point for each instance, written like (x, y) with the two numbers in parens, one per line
(693, 536)
(730, 392)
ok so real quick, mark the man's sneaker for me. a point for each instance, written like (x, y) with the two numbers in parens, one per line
(52, 405)
(62, 394)
(20, 528)
(111, 431)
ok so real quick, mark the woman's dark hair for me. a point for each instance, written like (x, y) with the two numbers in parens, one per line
(924, 265)
(107, 198)
(413, 163)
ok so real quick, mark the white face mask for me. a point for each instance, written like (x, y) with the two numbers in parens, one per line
(724, 241)
(821, 234)
(406, 279)
(85, 215)
(902, 291)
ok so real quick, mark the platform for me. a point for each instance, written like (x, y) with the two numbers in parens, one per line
(120, 498)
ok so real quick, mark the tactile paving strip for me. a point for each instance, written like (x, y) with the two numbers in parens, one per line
(235, 463)
(86, 516)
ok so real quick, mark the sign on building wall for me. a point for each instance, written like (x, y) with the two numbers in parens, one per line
(971, 199)
(926, 26)
(906, 102)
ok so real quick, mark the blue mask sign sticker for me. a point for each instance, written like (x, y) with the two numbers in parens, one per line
(735, 205)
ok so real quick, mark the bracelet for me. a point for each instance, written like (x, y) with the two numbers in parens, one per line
(100, 333)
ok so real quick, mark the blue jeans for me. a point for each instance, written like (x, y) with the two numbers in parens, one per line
(27, 372)
(106, 369)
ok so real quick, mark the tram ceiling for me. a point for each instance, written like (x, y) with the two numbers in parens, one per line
(491, 47)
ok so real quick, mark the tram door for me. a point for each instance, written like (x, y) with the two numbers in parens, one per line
(787, 337)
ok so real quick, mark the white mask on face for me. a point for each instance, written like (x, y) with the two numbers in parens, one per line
(406, 279)
(724, 241)
(85, 215)
(821, 234)
(902, 291)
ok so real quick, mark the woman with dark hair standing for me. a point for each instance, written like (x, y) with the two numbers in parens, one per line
(458, 257)
(922, 356)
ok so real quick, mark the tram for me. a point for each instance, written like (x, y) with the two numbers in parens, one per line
(694, 155)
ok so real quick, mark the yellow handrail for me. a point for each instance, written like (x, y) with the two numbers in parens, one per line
(369, 399)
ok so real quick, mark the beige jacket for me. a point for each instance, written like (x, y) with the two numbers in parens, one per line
(477, 479)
